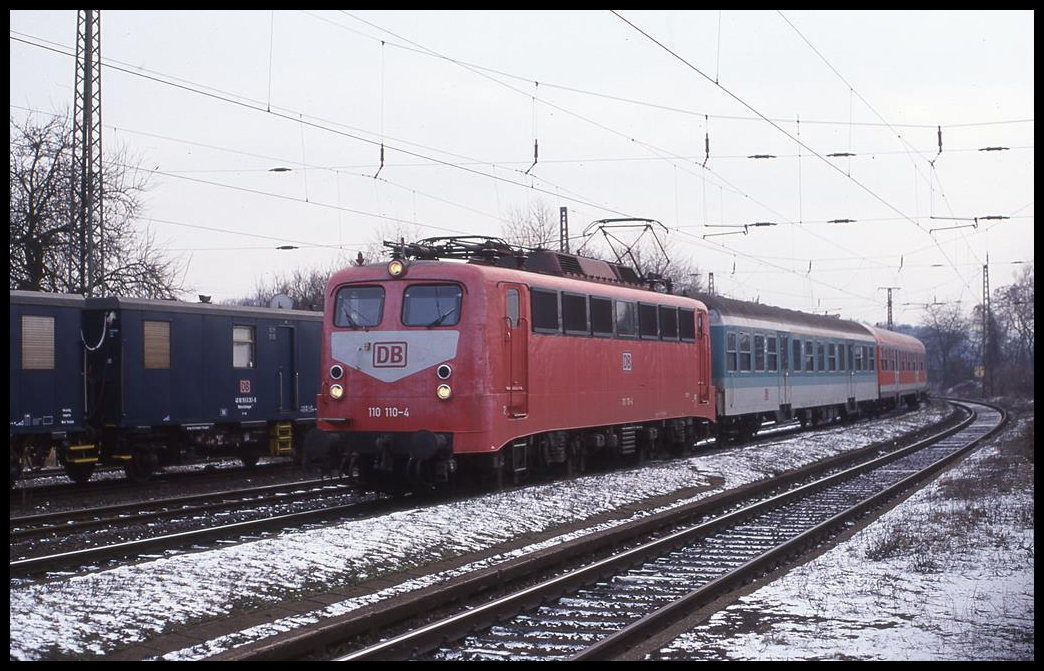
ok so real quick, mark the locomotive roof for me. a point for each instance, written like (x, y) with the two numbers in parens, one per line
(733, 309)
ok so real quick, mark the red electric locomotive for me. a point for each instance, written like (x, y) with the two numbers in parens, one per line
(463, 355)
(901, 371)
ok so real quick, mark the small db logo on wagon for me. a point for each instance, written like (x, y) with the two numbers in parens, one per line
(389, 355)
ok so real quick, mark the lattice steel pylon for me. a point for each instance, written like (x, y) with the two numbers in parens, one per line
(87, 154)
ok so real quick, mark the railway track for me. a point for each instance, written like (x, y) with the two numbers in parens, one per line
(187, 522)
(479, 612)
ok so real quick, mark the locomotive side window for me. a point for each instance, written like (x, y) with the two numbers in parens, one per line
(647, 325)
(157, 344)
(685, 325)
(512, 307)
(37, 342)
(359, 306)
(574, 314)
(602, 316)
(545, 311)
(668, 323)
(731, 354)
(242, 346)
(431, 305)
(626, 316)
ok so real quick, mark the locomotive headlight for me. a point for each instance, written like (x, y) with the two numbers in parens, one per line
(443, 372)
(336, 391)
(396, 268)
(443, 391)
(336, 372)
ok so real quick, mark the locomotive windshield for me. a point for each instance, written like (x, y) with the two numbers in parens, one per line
(359, 306)
(431, 305)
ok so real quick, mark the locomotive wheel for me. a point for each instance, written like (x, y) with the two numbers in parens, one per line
(79, 473)
(249, 460)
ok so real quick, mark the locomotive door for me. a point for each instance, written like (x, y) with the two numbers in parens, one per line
(516, 350)
(286, 372)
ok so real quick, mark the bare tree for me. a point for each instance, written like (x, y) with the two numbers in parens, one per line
(533, 226)
(946, 330)
(1012, 310)
(44, 247)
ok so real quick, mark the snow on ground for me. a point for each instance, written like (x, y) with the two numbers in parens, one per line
(95, 614)
(938, 578)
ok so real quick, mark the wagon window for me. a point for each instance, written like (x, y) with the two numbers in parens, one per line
(759, 352)
(545, 311)
(858, 365)
(821, 357)
(810, 357)
(744, 351)
(832, 357)
(668, 323)
(601, 316)
(647, 321)
(574, 314)
(242, 346)
(730, 352)
(431, 305)
(796, 358)
(873, 358)
(770, 352)
(686, 329)
(156, 339)
(359, 306)
(626, 316)
(37, 342)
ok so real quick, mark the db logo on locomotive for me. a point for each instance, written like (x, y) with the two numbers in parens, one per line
(389, 355)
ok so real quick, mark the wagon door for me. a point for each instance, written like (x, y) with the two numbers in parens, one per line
(516, 349)
(784, 372)
(286, 371)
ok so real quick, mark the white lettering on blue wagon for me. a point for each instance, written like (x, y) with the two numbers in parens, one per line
(392, 355)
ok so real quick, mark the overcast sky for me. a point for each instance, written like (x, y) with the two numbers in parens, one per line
(622, 107)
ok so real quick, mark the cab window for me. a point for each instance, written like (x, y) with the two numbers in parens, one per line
(431, 305)
(359, 306)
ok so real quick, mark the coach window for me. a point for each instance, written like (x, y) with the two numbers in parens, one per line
(431, 305)
(242, 346)
(37, 342)
(759, 353)
(686, 327)
(668, 323)
(832, 357)
(873, 358)
(359, 306)
(156, 344)
(731, 355)
(771, 354)
(574, 314)
(857, 365)
(796, 355)
(545, 311)
(601, 316)
(820, 357)
(626, 316)
(810, 357)
(744, 352)
(647, 326)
